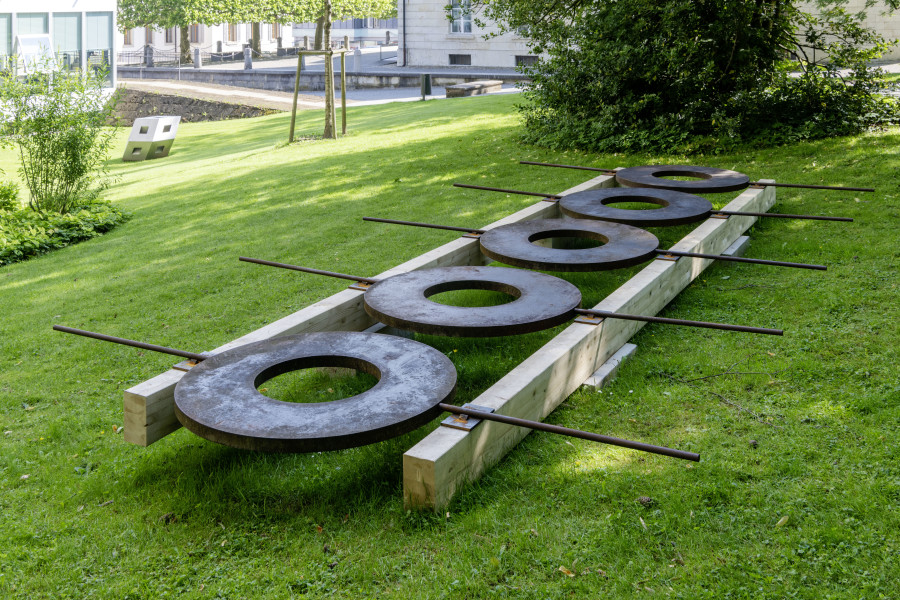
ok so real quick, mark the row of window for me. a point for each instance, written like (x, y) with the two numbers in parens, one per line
(67, 30)
(195, 33)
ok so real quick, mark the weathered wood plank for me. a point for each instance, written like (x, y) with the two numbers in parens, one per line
(150, 404)
(447, 458)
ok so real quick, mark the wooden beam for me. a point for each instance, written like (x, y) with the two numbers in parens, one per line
(149, 406)
(447, 458)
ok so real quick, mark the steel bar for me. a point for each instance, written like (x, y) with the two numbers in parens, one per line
(611, 315)
(714, 211)
(804, 186)
(759, 183)
(493, 189)
(127, 342)
(307, 270)
(540, 164)
(576, 433)
(428, 225)
(755, 261)
(782, 216)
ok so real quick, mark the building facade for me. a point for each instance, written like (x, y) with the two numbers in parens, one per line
(82, 32)
(226, 37)
(440, 34)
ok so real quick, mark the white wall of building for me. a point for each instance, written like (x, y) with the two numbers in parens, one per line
(430, 38)
(231, 36)
(888, 26)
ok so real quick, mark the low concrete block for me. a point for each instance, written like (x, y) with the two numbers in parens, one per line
(151, 137)
(474, 88)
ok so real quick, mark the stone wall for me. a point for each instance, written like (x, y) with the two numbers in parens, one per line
(429, 41)
(133, 104)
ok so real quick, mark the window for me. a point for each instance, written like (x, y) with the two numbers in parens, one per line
(461, 59)
(148, 35)
(5, 35)
(460, 16)
(195, 34)
(129, 38)
(273, 31)
(526, 61)
(31, 23)
(170, 35)
(67, 39)
(232, 33)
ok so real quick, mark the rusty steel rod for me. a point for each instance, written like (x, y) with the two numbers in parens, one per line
(782, 216)
(540, 164)
(269, 263)
(612, 315)
(493, 189)
(759, 183)
(755, 261)
(428, 225)
(576, 433)
(713, 211)
(127, 342)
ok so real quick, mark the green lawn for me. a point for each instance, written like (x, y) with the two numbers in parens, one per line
(796, 496)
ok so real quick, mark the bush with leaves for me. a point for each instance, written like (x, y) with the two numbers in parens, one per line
(9, 196)
(58, 120)
(693, 75)
(25, 233)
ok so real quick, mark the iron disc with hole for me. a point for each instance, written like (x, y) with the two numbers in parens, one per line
(218, 399)
(542, 301)
(677, 208)
(623, 246)
(710, 180)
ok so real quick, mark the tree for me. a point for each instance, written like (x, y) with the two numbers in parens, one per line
(163, 14)
(686, 75)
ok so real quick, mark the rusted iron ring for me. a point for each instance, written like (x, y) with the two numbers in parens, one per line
(678, 208)
(711, 180)
(218, 399)
(623, 246)
(542, 301)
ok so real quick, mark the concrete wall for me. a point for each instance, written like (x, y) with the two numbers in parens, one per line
(283, 81)
(429, 41)
(887, 26)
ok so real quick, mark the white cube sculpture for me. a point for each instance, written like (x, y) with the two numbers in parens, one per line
(151, 137)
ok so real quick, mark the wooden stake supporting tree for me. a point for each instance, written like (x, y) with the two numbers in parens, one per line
(330, 128)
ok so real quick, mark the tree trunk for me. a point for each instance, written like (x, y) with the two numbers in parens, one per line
(319, 44)
(330, 132)
(186, 45)
(255, 39)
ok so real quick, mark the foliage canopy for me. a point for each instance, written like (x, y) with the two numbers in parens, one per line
(689, 75)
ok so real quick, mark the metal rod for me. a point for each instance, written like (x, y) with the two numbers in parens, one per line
(715, 212)
(428, 225)
(493, 189)
(705, 324)
(127, 342)
(813, 187)
(760, 183)
(755, 261)
(782, 216)
(540, 164)
(576, 433)
(307, 269)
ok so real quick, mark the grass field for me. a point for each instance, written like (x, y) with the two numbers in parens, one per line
(796, 496)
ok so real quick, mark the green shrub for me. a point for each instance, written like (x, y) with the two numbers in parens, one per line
(58, 120)
(25, 233)
(9, 196)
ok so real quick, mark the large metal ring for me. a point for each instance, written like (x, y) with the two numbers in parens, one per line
(218, 399)
(623, 246)
(542, 301)
(678, 208)
(711, 180)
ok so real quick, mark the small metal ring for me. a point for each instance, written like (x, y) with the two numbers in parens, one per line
(542, 301)
(678, 208)
(218, 399)
(623, 246)
(711, 180)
